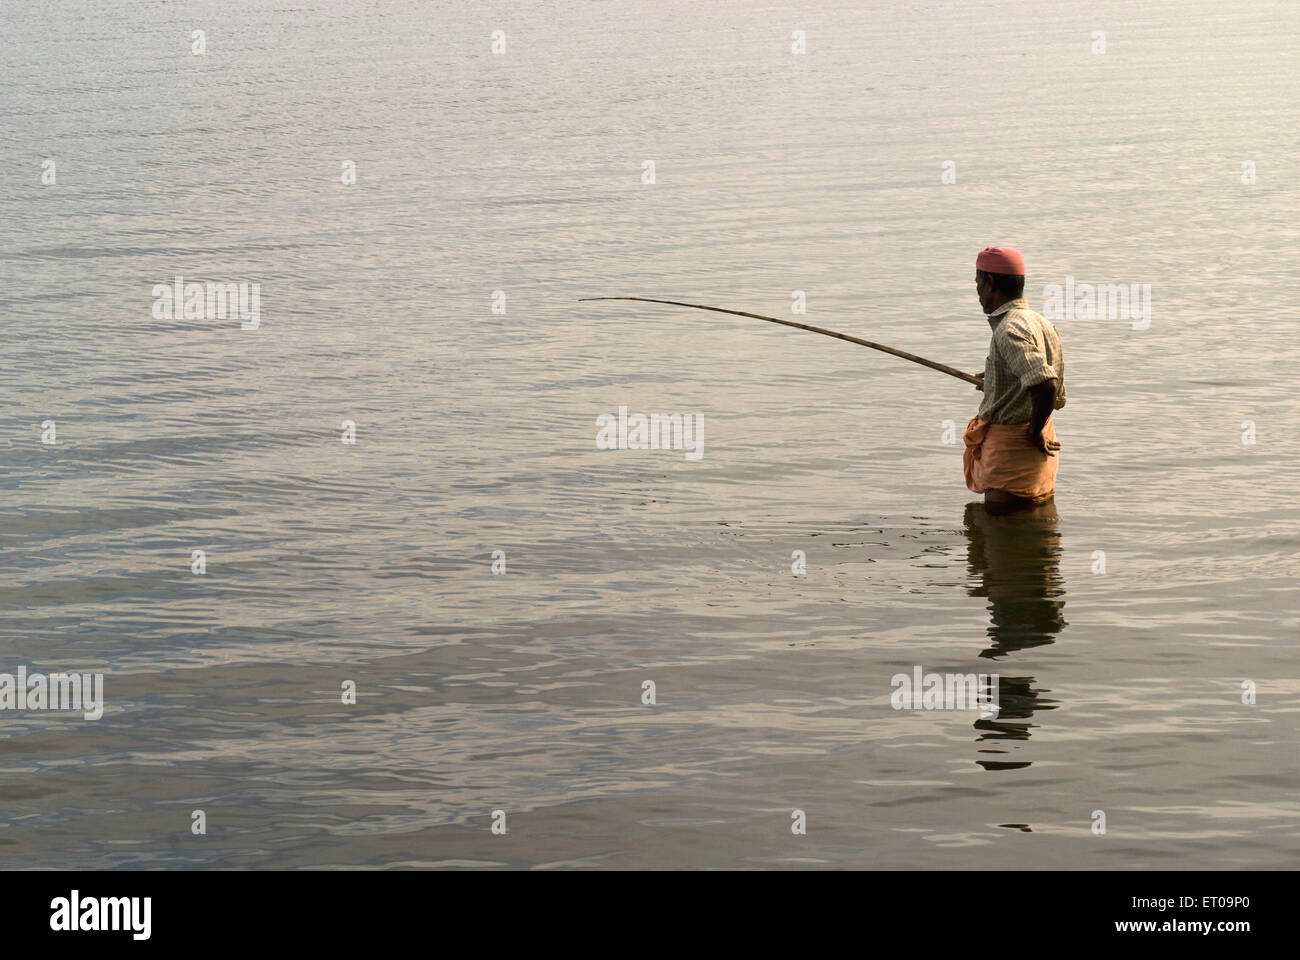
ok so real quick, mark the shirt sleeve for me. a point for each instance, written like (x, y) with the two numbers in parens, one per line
(1023, 354)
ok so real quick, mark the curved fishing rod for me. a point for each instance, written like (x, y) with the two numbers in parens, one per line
(941, 367)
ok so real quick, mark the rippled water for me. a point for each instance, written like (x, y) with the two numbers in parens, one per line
(522, 172)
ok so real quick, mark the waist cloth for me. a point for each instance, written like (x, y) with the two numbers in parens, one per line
(999, 456)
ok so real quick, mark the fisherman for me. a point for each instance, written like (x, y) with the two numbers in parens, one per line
(1011, 443)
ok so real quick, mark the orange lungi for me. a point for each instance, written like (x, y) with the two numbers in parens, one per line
(1000, 456)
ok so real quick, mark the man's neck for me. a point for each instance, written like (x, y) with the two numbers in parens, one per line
(998, 310)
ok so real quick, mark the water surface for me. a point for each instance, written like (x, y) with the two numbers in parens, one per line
(522, 172)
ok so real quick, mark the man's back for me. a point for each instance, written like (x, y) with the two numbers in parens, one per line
(1024, 351)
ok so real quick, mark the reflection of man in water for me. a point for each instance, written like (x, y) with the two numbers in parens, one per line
(1015, 561)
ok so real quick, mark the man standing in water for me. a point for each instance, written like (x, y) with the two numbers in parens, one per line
(1011, 443)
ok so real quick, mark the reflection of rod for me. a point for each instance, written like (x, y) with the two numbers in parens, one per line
(941, 367)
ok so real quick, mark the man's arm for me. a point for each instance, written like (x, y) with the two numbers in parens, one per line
(1043, 396)
(1022, 349)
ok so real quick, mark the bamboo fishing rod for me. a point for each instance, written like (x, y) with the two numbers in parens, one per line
(941, 367)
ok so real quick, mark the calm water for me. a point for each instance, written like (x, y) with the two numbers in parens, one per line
(522, 172)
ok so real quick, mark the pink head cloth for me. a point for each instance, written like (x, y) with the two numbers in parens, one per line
(1001, 260)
